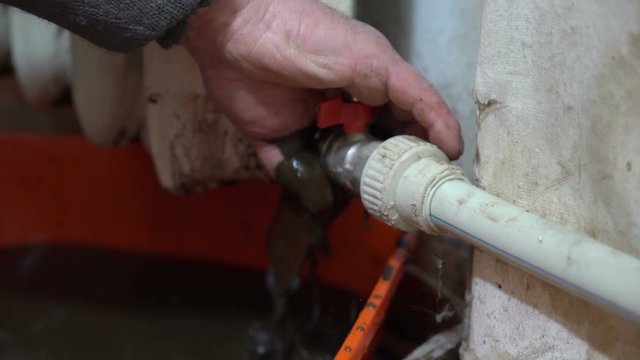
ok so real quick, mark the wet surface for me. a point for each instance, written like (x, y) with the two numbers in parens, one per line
(71, 303)
(297, 237)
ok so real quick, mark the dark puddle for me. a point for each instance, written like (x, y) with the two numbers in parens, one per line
(77, 303)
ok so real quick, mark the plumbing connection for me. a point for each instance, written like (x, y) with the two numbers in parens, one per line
(409, 184)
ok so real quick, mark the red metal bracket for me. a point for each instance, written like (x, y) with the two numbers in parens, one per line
(353, 116)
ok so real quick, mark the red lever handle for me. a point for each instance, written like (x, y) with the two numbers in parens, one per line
(354, 117)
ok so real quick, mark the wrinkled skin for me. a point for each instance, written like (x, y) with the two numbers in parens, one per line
(266, 63)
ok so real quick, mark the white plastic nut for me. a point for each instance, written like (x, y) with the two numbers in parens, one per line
(399, 180)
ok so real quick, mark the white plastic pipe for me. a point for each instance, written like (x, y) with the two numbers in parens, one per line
(566, 258)
(108, 92)
(40, 57)
(410, 184)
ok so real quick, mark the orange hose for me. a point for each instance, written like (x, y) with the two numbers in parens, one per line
(360, 341)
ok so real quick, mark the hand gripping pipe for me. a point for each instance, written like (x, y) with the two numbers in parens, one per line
(410, 184)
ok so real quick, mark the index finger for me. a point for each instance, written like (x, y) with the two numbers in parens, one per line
(410, 91)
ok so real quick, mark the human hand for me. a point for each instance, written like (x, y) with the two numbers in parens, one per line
(266, 64)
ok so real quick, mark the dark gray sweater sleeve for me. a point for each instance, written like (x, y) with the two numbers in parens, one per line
(119, 25)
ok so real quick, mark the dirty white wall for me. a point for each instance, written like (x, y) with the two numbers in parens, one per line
(440, 38)
(559, 134)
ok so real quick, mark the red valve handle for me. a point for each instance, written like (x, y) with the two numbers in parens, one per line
(353, 117)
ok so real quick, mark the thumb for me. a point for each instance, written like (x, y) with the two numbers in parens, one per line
(269, 154)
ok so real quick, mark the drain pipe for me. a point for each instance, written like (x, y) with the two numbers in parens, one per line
(409, 184)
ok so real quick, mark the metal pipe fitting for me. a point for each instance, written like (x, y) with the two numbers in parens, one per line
(344, 157)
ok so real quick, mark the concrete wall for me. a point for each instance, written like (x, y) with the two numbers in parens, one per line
(558, 87)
